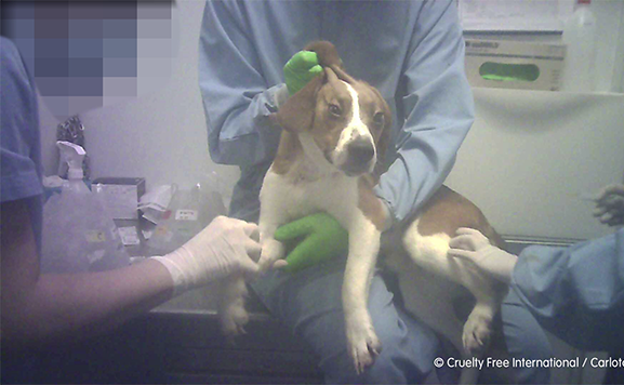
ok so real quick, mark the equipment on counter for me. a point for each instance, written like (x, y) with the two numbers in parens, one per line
(78, 233)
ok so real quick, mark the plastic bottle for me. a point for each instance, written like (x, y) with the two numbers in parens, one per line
(73, 155)
(579, 35)
(78, 234)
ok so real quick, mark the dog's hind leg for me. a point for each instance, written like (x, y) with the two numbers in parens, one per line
(232, 313)
(477, 329)
(430, 253)
(430, 298)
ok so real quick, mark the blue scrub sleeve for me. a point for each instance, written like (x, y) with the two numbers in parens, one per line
(438, 107)
(576, 293)
(237, 99)
(20, 147)
(20, 162)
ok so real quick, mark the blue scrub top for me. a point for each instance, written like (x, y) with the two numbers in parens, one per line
(20, 148)
(576, 293)
(412, 51)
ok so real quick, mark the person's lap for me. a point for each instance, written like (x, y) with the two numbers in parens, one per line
(526, 339)
(309, 302)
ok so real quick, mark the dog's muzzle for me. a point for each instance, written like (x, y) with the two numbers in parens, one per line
(361, 155)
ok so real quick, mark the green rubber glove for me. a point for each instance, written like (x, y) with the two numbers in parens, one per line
(313, 239)
(300, 69)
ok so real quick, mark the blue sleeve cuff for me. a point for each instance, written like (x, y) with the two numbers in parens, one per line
(20, 186)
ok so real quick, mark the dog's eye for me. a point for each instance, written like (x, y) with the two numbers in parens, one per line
(379, 119)
(335, 110)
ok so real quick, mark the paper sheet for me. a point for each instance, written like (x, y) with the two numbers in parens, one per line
(514, 15)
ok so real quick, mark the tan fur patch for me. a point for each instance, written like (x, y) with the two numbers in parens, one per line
(370, 205)
(446, 211)
(289, 149)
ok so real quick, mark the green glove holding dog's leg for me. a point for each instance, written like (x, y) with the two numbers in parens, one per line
(317, 237)
(300, 69)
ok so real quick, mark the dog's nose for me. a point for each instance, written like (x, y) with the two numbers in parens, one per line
(361, 151)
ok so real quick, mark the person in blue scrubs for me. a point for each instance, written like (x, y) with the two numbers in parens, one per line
(40, 308)
(576, 292)
(413, 52)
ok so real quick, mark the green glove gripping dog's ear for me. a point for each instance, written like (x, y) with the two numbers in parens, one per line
(318, 237)
(300, 69)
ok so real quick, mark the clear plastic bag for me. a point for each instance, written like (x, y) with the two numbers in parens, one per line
(79, 236)
(189, 212)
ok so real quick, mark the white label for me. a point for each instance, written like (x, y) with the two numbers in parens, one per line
(95, 236)
(129, 236)
(186, 215)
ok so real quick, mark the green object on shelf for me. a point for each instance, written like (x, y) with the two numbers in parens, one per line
(505, 72)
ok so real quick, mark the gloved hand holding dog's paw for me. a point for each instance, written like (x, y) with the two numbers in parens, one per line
(226, 247)
(300, 69)
(610, 205)
(316, 238)
(471, 245)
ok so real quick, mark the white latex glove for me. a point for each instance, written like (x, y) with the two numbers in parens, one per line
(227, 246)
(469, 244)
(610, 205)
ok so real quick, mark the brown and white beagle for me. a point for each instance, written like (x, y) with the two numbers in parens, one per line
(335, 131)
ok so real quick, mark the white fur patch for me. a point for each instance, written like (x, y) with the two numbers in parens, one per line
(355, 130)
(430, 253)
(314, 160)
(307, 189)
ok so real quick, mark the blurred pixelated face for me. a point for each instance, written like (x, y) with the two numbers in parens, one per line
(85, 55)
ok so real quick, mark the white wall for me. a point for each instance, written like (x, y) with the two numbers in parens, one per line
(526, 161)
(161, 136)
(532, 155)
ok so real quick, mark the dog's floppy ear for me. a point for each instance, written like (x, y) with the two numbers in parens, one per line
(384, 138)
(297, 113)
(328, 58)
(326, 53)
(342, 75)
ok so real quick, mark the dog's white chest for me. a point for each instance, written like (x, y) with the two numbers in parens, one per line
(302, 193)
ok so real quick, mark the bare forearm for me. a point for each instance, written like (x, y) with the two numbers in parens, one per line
(79, 305)
(38, 307)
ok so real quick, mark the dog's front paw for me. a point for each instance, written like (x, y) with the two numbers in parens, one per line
(363, 346)
(272, 251)
(477, 332)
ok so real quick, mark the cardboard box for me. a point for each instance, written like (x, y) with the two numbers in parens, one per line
(121, 195)
(514, 64)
